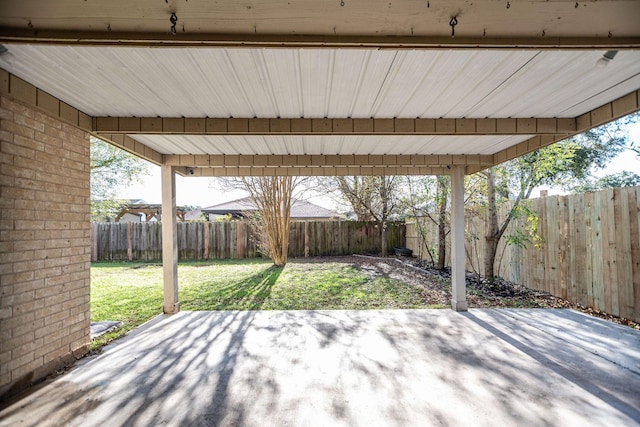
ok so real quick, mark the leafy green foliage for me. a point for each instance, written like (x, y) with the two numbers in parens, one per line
(567, 164)
(372, 198)
(111, 169)
(616, 180)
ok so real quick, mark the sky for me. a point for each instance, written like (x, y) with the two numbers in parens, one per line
(201, 191)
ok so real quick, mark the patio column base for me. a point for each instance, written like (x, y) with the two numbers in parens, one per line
(172, 309)
(458, 305)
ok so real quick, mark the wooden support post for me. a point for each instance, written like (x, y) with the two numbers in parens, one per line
(169, 240)
(458, 277)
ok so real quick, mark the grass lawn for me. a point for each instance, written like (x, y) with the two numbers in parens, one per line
(132, 292)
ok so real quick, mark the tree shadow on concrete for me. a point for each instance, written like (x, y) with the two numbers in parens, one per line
(401, 368)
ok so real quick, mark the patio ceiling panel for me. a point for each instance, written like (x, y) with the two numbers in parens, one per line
(554, 82)
(317, 83)
(329, 144)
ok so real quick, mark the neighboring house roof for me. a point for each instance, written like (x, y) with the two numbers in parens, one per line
(299, 209)
(193, 215)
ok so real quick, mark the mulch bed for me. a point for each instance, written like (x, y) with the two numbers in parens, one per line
(480, 293)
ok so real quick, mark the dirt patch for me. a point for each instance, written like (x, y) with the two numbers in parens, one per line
(480, 293)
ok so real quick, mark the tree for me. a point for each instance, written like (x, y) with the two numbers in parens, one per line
(373, 198)
(616, 180)
(563, 164)
(427, 195)
(358, 191)
(111, 169)
(272, 197)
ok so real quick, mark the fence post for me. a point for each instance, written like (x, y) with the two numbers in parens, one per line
(129, 242)
(240, 246)
(94, 242)
(306, 239)
(206, 239)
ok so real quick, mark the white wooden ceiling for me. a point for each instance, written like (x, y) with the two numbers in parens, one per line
(333, 83)
(328, 83)
(359, 59)
(324, 144)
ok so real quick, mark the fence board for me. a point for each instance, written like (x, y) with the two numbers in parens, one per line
(589, 252)
(634, 221)
(578, 249)
(589, 235)
(598, 246)
(623, 244)
(233, 239)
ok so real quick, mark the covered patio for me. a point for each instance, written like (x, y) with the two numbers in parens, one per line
(355, 87)
(352, 368)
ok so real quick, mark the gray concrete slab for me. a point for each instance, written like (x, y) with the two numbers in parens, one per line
(352, 368)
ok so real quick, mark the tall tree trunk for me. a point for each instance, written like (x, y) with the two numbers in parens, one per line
(491, 235)
(442, 231)
(384, 190)
(272, 197)
(383, 239)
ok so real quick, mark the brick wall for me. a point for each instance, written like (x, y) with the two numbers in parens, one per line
(44, 245)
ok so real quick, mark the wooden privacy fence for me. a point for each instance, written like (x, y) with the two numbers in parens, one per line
(135, 241)
(589, 252)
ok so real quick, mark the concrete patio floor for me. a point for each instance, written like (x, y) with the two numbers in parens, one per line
(352, 368)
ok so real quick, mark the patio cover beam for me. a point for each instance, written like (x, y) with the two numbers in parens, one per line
(337, 126)
(319, 160)
(150, 39)
(317, 171)
(308, 23)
